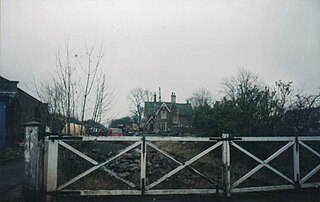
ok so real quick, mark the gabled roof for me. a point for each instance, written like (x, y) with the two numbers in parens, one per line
(151, 108)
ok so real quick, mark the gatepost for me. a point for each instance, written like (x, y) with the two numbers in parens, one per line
(226, 165)
(33, 158)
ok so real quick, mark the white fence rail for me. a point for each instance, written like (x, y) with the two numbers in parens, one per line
(143, 144)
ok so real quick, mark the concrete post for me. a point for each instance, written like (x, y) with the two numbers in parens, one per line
(33, 156)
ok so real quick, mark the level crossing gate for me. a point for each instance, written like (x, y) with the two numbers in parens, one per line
(179, 165)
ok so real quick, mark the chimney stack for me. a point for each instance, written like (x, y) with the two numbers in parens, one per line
(159, 94)
(173, 98)
(155, 97)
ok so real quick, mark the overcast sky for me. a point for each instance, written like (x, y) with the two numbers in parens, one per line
(178, 45)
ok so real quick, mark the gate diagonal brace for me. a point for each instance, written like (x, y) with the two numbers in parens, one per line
(181, 163)
(97, 166)
(92, 161)
(262, 163)
(313, 171)
(174, 171)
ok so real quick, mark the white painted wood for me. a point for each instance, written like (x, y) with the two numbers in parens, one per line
(180, 139)
(110, 138)
(103, 192)
(309, 138)
(52, 163)
(110, 172)
(310, 174)
(77, 152)
(309, 148)
(180, 191)
(143, 167)
(226, 165)
(226, 159)
(90, 170)
(296, 163)
(266, 139)
(180, 163)
(174, 171)
(310, 185)
(138, 192)
(262, 188)
(262, 163)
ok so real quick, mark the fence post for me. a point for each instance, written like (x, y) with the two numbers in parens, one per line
(226, 165)
(296, 163)
(52, 165)
(143, 165)
(33, 161)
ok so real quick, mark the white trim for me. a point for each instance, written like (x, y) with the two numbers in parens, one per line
(52, 168)
(262, 188)
(262, 163)
(163, 104)
(180, 163)
(174, 171)
(92, 161)
(181, 191)
(103, 192)
(310, 174)
(150, 120)
(90, 170)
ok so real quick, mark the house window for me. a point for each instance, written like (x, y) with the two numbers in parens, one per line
(175, 120)
(163, 126)
(163, 114)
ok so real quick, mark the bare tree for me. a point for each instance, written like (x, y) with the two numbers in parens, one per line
(137, 98)
(239, 84)
(103, 101)
(200, 97)
(69, 94)
(91, 69)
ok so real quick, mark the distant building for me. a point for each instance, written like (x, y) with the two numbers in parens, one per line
(167, 116)
(16, 108)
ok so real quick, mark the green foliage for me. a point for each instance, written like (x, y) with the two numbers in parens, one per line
(252, 108)
(126, 121)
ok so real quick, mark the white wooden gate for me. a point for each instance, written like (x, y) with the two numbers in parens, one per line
(151, 180)
(296, 181)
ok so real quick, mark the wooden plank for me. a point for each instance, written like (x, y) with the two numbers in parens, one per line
(262, 188)
(103, 192)
(266, 139)
(111, 138)
(52, 168)
(143, 163)
(262, 163)
(181, 191)
(180, 163)
(310, 185)
(110, 172)
(77, 152)
(309, 138)
(138, 192)
(174, 171)
(226, 165)
(90, 170)
(310, 174)
(296, 163)
(181, 139)
(309, 148)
